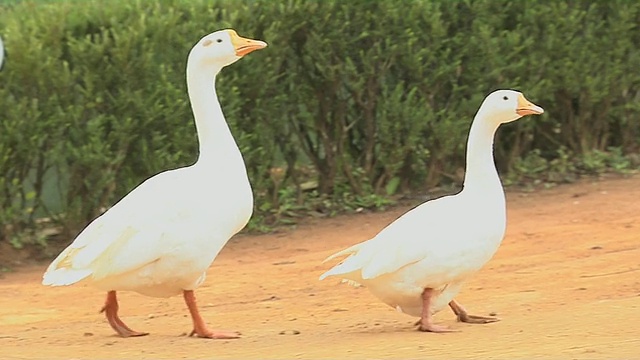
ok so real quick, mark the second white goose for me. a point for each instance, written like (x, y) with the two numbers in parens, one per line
(419, 262)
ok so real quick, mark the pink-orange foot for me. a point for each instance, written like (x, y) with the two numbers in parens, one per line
(426, 321)
(434, 328)
(110, 309)
(465, 317)
(199, 327)
(214, 334)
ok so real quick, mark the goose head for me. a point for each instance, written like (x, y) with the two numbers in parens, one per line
(222, 48)
(503, 106)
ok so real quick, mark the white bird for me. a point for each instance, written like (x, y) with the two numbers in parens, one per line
(418, 263)
(161, 238)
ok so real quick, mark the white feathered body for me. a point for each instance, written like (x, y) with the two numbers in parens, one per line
(162, 237)
(436, 245)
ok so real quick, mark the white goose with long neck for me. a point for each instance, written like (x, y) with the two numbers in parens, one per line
(419, 262)
(161, 238)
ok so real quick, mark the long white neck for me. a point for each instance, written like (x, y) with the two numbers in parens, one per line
(481, 174)
(217, 146)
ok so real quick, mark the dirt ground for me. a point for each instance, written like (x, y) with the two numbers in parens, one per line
(566, 284)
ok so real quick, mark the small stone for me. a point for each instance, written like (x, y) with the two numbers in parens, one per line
(289, 332)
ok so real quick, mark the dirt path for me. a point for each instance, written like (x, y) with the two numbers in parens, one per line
(566, 283)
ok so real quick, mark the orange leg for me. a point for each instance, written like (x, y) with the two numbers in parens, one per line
(426, 321)
(463, 316)
(110, 309)
(199, 327)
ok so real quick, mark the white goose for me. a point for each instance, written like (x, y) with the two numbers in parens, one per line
(418, 263)
(161, 238)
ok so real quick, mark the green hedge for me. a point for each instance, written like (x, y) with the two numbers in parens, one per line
(353, 101)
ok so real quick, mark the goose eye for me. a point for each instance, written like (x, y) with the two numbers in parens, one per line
(219, 40)
(505, 98)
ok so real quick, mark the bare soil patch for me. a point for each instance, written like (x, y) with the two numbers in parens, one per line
(566, 283)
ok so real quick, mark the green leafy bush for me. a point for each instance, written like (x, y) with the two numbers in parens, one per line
(352, 102)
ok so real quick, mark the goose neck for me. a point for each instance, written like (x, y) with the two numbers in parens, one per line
(214, 136)
(481, 173)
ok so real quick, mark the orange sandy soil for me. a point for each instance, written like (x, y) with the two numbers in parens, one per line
(565, 282)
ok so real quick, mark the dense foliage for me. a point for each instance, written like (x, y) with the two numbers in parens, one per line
(353, 101)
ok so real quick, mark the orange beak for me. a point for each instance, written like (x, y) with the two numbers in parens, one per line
(526, 107)
(244, 46)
